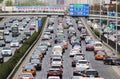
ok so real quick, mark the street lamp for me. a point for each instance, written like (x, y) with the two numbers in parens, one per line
(107, 21)
(100, 17)
(116, 23)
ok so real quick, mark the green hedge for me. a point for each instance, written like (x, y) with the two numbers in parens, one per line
(1, 1)
(96, 32)
(7, 67)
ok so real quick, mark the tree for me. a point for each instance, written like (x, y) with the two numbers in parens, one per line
(9, 3)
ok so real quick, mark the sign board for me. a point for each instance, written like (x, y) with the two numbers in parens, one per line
(79, 10)
(112, 13)
(33, 8)
(39, 23)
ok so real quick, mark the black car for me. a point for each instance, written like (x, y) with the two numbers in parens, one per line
(90, 73)
(1, 58)
(112, 60)
(78, 71)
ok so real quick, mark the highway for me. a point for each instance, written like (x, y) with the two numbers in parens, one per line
(105, 71)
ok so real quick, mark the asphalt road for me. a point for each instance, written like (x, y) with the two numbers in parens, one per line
(105, 71)
(6, 58)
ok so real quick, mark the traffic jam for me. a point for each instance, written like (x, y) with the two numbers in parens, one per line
(58, 45)
(13, 32)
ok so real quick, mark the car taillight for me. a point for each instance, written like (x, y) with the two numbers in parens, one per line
(75, 71)
(21, 78)
(77, 64)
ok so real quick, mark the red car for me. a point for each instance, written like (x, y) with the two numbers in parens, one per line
(89, 47)
(54, 72)
(32, 28)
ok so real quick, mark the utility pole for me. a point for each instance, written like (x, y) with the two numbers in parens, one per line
(116, 24)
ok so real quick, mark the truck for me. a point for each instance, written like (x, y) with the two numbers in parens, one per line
(15, 31)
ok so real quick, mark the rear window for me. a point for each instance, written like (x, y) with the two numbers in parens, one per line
(91, 73)
(98, 45)
(83, 62)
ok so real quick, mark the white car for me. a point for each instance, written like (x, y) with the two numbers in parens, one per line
(56, 61)
(77, 47)
(26, 76)
(73, 52)
(6, 51)
(80, 77)
(14, 43)
(46, 37)
(57, 50)
(83, 64)
(53, 77)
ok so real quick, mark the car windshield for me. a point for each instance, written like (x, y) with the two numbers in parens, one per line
(95, 73)
(56, 59)
(98, 45)
(6, 48)
(35, 61)
(54, 71)
(101, 53)
(29, 66)
(78, 57)
(26, 75)
(82, 62)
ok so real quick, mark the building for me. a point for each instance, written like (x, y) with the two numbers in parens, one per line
(60, 2)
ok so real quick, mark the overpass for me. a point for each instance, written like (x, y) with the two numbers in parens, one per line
(91, 16)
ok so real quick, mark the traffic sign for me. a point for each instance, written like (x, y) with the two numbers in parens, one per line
(79, 10)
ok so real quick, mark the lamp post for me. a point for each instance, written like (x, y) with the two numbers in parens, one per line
(116, 24)
(100, 17)
(107, 21)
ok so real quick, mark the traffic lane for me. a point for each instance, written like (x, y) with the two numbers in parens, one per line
(67, 68)
(46, 60)
(105, 71)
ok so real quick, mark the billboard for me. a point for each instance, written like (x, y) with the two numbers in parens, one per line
(79, 10)
(33, 8)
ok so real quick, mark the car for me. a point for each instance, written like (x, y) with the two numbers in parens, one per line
(78, 71)
(2, 43)
(77, 47)
(26, 76)
(72, 30)
(8, 39)
(57, 61)
(80, 77)
(6, 32)
(89, 47)
(37, 63)
(46, 37)
(6, 51)
(53, 77)
(31, 27)
(76, 58)
(54, 72)
(87, 39)
(48, 43)
(37, 55)
(83, 64)
(98, 47)
(14, 43)
(90, 73)
(51, 28)
(100, 55)
(27, 32)
(1, 58)
(29, 68)
(112, 60)
(73, 52)
(65, 44)
(57, 50)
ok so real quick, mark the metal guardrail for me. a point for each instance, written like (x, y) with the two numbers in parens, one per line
(22, 59)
